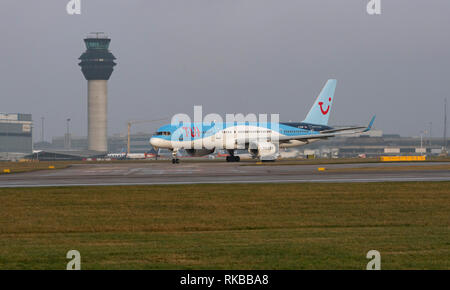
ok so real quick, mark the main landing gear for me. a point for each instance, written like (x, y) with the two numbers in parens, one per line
(232, 158)
(175, 160)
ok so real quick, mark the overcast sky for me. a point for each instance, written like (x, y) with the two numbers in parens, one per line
(231, 56)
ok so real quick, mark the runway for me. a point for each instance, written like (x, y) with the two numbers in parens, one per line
(223, 173)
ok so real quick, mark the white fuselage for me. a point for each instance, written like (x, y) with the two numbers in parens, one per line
(230, 138)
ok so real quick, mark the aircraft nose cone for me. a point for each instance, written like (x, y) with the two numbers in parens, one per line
(156, 142)
(153, 142)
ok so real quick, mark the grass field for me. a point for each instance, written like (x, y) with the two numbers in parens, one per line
(259, 226)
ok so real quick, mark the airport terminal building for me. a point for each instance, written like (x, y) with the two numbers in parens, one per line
(139, 143)
(16, 136)
(374, 144)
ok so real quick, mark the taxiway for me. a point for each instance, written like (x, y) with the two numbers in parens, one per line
(214, 172)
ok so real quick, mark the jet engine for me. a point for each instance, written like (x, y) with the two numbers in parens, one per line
(263, 150)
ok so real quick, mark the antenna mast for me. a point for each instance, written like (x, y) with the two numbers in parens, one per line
(445, 127)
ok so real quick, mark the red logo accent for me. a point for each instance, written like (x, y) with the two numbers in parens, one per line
(324, 112)
(194, 131)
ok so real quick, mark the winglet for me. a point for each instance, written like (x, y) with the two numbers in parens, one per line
(370, 124)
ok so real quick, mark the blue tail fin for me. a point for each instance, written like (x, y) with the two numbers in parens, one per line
(320, 111)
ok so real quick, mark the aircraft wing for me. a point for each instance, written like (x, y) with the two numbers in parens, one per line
(320, 135)
(331, 133)
(342, 129)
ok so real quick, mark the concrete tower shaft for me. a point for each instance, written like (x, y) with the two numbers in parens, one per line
(98, 115)
(97, 65)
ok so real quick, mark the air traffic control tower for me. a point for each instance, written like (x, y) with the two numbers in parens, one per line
(97, 65)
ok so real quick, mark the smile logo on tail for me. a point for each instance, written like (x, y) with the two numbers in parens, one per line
(324, 112)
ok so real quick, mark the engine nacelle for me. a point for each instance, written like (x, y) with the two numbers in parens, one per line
(263, 150)
(199, 152)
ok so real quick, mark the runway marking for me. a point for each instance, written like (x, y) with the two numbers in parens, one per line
(343, 180)
(133, 170)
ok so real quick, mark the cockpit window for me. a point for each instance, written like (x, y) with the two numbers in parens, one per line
(162, 134)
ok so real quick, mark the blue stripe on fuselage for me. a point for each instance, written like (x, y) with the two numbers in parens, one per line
(196, 131)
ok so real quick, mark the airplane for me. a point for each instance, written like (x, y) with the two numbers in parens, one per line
(262, 140)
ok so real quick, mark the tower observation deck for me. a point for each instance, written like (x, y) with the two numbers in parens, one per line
(97, 64)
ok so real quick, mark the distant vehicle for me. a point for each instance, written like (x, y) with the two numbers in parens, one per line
(124, 155)
(140, 156)
(289, 154)
(121, 155)
(222, 153)
(228, 136)
(136, 156)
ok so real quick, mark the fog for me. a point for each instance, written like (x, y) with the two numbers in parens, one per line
(230, 56)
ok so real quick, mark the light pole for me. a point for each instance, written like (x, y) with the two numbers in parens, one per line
(42, 129)
(445, 126)
(68, 140)
(68, 126)
(421, 141)
(431, 128)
